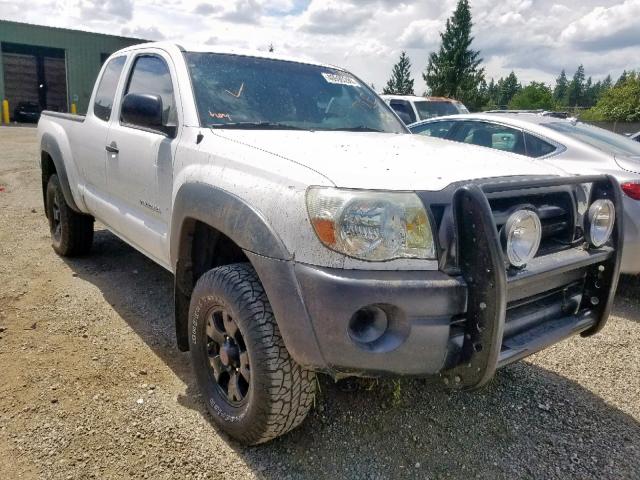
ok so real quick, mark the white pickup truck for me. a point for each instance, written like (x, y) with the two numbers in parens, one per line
(308, 231)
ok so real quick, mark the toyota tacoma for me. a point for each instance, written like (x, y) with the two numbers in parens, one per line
(309, 232)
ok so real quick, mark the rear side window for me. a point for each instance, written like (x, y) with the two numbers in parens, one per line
(435, 108)
(433, 129)
(151, 76)
(536, 147)
(404, 110)
(107, 88)
(490, 135)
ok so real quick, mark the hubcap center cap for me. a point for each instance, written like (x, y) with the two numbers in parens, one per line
(230, 354)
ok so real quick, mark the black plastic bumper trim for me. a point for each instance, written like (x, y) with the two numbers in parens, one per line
(543, 336)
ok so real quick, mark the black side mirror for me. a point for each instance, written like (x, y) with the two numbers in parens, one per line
(143, 110)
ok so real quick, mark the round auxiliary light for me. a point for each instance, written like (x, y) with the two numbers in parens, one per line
(600, 220)
(523, 232)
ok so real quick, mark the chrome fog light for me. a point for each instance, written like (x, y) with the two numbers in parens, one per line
(522, 235)
(600, 220)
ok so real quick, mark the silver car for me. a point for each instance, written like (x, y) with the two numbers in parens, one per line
(573, 146)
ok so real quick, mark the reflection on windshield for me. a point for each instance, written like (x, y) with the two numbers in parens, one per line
(598, 137)
(234, 91)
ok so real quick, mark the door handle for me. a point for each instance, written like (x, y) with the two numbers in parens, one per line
(113, 148)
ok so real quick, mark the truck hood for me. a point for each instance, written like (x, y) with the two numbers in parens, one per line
(388, 161)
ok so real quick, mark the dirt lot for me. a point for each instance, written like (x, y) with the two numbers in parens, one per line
(92, 385)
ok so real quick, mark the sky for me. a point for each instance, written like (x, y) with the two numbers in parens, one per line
(536, 39)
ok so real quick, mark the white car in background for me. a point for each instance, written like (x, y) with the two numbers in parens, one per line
(411, 108)
(573, 146)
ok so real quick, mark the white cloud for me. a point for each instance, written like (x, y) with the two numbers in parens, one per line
(244, 11)
(145, 32)
(106, 9)
(606, 27)
(333, 17)
(536, 39)
(421, 34)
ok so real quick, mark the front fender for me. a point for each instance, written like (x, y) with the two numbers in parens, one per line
(228, 214)
(231, 216)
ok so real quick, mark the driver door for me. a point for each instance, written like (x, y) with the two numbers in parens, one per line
(140, 160)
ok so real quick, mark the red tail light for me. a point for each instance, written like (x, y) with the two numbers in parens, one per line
(632, 189)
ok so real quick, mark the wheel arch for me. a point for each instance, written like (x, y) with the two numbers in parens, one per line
(51, 162)
(211, 227)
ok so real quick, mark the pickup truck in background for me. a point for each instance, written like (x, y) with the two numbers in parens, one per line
(307, 233)
(411, 108)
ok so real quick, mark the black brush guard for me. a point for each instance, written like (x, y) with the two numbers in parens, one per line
(491, 285)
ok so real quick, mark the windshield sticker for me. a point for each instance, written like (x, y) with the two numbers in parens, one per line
(220, 116)
(340, 79)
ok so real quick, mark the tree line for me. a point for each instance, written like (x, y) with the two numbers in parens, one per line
(455, 71)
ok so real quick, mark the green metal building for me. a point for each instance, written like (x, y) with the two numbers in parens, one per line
(52, 68)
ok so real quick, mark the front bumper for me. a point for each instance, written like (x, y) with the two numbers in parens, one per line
(462, 324)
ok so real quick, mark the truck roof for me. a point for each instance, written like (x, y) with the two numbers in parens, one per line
(202, 48)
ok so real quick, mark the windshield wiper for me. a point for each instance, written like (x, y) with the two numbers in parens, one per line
(255, 126)
(360, 128)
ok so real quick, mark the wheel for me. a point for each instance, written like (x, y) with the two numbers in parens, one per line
(254, 390)
(71, 232)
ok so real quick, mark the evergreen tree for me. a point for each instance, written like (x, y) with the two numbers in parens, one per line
(622, 79)
(400, 82)
(607, 83)
(561, 89)
(482, 97)
(493, 93)
(453, 71)
(509, 87)
(575, 92)
(589, 94)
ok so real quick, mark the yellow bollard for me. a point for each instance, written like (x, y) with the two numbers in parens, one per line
(5, 112)
(74, 109)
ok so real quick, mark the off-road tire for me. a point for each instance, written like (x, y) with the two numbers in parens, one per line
(71, 232)
(280, 392)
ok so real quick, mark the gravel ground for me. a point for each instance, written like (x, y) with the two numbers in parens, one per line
(92, 385)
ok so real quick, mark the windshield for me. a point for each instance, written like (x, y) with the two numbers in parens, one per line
(430, 109)
(234, 91)
(598, 138)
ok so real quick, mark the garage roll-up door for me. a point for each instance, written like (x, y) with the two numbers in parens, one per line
(20, 78)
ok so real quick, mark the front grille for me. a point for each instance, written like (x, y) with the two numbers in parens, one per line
(556, 212)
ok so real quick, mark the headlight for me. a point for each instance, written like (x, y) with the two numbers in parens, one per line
(371, 225)
(522, 234)
(600, 221)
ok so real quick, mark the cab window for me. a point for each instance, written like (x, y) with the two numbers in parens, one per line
(107, 88)
(490, 135)
(150, 75)
(404, 110)
(433, 129)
